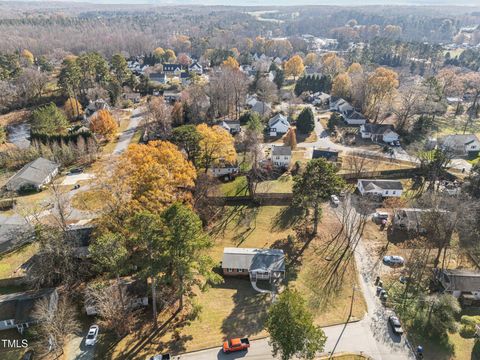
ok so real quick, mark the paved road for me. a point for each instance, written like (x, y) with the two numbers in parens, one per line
(126, 136)
(324, 142)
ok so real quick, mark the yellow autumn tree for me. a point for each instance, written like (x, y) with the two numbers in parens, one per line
(231, 63)
(290, 139)
(27, 55)
(380, 89)
(355, 68)
(332, 65)
(73, 108)
(157, 175)
(311, 59)
(104, 125)
(216, 144)
(342, 86)
(170, 55)
(159, 52)
(294, 66)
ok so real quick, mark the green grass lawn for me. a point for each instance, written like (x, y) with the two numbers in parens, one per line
(237, 187)
(283, 184)
(10, 263)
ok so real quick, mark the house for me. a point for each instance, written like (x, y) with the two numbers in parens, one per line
(408, 220)
(329, 155)
(379, 132)
(171, 96)
(195, 67)
(136, 289)
(261, 264)
(261, 108)
(340, 105)
(16, 310)
(352, 117)
(35, 174)
(79, 236)
(281, 156)
(320, 99)
(172, 69)
(158, 77)
(95, 106)
(459, 282)
(462, 145)
(185, 78)
(278, 125)
(226, 171)
(383, 188)
(133, 97)
(232, 126)
(251, 100)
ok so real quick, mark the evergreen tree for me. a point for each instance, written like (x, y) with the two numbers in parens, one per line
(306, 121)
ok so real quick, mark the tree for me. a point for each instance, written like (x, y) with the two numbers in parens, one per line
(332, 65)
(104, 124)
(49, 120)
(156, 175)
(473, 181)
(342, 86)
(215, 144)
(187, 138)
(159, 118)
(231, 63)
(73, 108)
(28, 56)
(120, 69)
(55, 323)
(30, 85)
(311, 59)
(185, 244)
(291, 328)
(279, 78)
(3, 135)
(294, 66)
(266, 90)
(379, 91)
(316, 185)
(333, 121)
(290, 138)
(306, 121)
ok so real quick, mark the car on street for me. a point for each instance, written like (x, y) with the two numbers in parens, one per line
(92, 335)
(395, 324)
(76, 171)
(159, 357)
(335, 200)
(236, 344)
(393, 260)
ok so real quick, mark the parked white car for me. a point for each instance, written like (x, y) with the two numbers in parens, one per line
(92, 335)
(335, 200)
(393, 260)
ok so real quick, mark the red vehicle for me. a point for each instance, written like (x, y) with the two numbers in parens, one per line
(237, 344)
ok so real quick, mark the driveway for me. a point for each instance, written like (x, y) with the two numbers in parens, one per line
(75, 349)
(126, 136)
(72, 179)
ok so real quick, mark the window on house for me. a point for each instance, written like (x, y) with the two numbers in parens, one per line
(229, 270)
(240, 270)
(386, 192)
(394, 192)
(8, 322)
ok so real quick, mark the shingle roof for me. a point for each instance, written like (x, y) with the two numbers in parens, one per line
(277, 118)
(253, 259)
(35, 172)
(381, 184)
(19, 306)
(378, 129)
(352, 114)
(462, 280)
(326, 154)
(282, 150)
(458, 140)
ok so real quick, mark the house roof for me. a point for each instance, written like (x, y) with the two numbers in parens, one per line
(254, 259)
(35, 172)
(278, 118)
(19, 306)
(282, 150)
(461, 280)
(378, 129)
(325, 154)
(458, 140)
(260, 108)
(171, 67)
(355, 115)
(369, 185)
(232, 122)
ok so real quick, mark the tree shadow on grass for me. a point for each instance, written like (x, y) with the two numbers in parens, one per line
(287, 218)
(248, 316)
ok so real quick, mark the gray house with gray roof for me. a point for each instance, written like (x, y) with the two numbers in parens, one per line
(258, 264)
(35, 174)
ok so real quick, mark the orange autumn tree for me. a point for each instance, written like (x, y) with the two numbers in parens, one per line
(156, 175)
(216, 144)
(73, 108)
(231, 63)
(104, 125)
(294, 66)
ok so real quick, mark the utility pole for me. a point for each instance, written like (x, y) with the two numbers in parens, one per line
(346, 323)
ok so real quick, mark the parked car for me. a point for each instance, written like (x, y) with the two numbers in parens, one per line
(393, 260)
(396, 143)
(395, 324)
(77, 186)
(76, 171)
(28, 355)
(92, 335)
(237, 344)
(379, 216)
(160, 357)
(334, 199)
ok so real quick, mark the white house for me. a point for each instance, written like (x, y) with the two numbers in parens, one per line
(383, 188)
(353, 117)
(196, 68)
(174, 69)
(158, 77)
(340, 105)
(463, 145)
(226, 171)
(35, 174)
(232, 126)
(379, 132)
(281, 156)
(278, 125)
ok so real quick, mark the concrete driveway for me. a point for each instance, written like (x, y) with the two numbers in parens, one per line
(76, 349)
(126, 136)
(72, 179)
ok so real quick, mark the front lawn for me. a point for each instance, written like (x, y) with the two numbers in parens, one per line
(10, 264)
(90, 200)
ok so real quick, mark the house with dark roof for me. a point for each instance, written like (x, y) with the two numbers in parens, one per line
(172, 69)
(383, 188)
(278, 125)
(340, 105)
(458, 144)
(35, 174)
(352, 117)
(258, 264)
(196, 68)
(16, 310)
(281, 156)
(330, 155)
(459, 282)
(379, 132)
(232, 126)
(158, 77)
(261, 108)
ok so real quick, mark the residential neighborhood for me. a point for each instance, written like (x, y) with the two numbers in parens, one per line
(201, 181)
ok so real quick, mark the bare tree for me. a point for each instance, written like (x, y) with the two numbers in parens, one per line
(158, 121)
(56, 322)
(358, 163)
